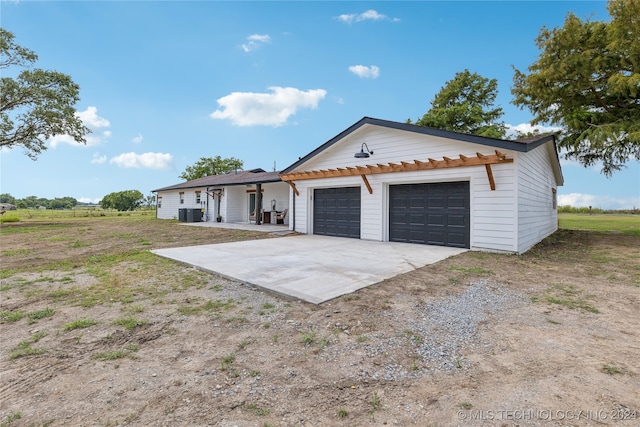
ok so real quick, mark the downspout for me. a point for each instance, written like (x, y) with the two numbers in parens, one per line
(207, 207)
(156, 204)
(293, 211)
(219, 202)
(258, 204)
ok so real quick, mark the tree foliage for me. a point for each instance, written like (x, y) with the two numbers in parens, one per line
(37, 104)
(35, 202)
(123, 200)
(466, 104)
(208, 166)
(62, 203)
(587, 80)
(7, 198)
(149, 201)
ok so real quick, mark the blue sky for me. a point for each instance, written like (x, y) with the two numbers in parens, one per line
(164, 83)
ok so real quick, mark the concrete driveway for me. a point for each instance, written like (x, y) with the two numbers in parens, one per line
(312, 268)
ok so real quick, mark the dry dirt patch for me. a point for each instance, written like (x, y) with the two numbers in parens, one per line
(478, 339)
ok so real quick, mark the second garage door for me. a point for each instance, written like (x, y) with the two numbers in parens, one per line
(336, 212)
(431, 214)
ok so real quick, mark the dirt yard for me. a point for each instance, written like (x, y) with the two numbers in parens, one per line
(97, 331)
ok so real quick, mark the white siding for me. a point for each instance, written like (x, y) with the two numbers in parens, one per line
(234, 206)
(235, 203)
(171, 203)
(537, 217)
(280, 193)
(168, 209)
(493, 213)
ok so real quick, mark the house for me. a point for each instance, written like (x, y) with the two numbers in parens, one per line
(232, 196)
(389, 181)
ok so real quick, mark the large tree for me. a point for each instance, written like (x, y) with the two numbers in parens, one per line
(7, 198)
(63, 203)
(587, 80)
(466, 104)
(207, 166)
(122, 200)
(37, 104)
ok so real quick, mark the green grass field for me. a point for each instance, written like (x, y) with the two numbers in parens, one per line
(65, 214)
(624, 224)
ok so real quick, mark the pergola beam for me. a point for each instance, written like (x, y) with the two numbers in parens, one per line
(416, 165)
(293, 187)
(366, 183)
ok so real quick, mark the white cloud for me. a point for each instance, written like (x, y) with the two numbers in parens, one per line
(89, 200)
(512, 130)
(255, 41)
(94, 139)
(91, 120)
(60, 139)
(143, 161)
(369, 15)
(580, 200)
(365, 72)
(98, 159)
(138, 139)
(267, 109)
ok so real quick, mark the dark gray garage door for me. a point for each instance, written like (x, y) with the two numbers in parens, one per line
(336, 212)
(431, 214)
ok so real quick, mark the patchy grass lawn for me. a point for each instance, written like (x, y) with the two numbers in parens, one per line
(623, 224)
(96, 330)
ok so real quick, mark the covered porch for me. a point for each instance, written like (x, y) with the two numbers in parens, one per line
(267, 228)
(256, 203)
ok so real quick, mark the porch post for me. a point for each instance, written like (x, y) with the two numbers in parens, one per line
(258, 203)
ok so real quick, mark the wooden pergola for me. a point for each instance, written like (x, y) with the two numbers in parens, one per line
(416, 165)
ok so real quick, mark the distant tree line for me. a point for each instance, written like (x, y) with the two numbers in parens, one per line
(596, 211)
(127, 200)
(121, 201)
(35, 202)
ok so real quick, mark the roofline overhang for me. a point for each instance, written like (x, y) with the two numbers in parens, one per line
(464, 137)
(234, 184)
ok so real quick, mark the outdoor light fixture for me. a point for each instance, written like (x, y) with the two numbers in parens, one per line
(363, 154)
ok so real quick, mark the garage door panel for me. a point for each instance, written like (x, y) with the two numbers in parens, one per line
(457, 220)
(336, 212)
(435, 220)
(435, 237)
(415, 219)
(457, 240)
(434, 213)
(434, 202)
(456, 202)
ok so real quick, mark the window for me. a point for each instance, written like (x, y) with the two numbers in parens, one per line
(159, 202)
(198, 197)
(554, 198)
(182, 198)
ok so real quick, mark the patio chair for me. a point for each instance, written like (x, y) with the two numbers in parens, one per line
(280, 216)
(252, 216)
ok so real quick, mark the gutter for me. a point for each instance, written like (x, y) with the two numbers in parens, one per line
(207, 208)
(156, 203)
(293, 211)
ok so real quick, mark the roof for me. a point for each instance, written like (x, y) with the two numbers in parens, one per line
(521, 145)
(253, 176)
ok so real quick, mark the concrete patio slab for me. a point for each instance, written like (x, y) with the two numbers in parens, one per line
(312, 268)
